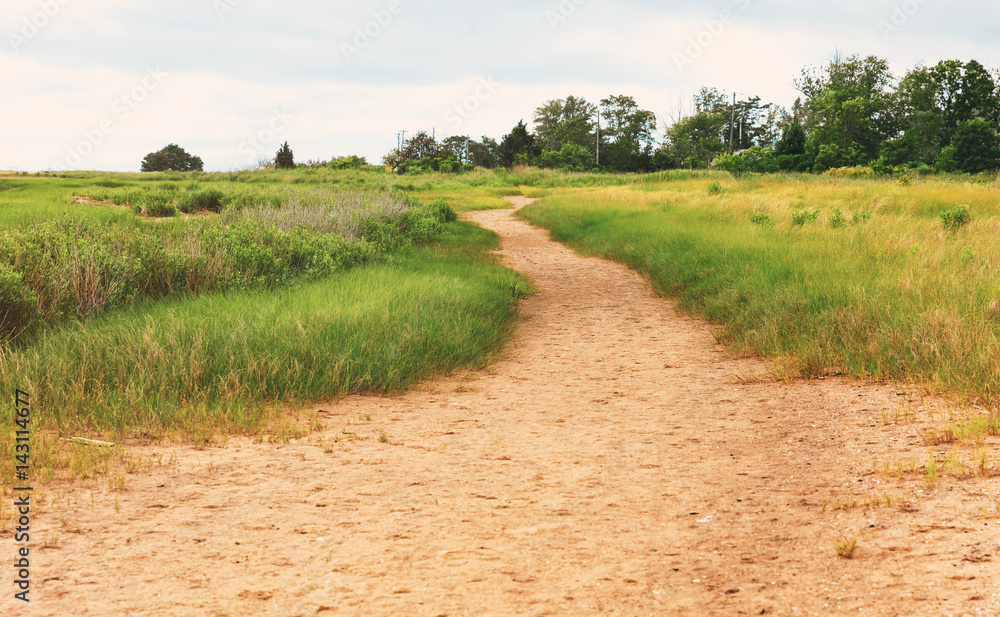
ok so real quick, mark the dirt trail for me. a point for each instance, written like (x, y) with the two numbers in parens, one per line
(617, 462)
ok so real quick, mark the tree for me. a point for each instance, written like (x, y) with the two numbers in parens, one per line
(420, 146)
(284, 158)
(565, 121)
(421, 150)
(793, 140)
(693, 141)
(977, 147)
(754, 159)
(629, 135)
(570, 156)
(849, 104)
(935, 102)
(518, 146)
(171, 158)
(457, 147)
(484, 154)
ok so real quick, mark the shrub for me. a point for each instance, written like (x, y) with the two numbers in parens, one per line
(861, 216)
(760, 218)
(446, 214)
(804, 216)
(856, 171)
(715, 188)
(956, 218)
(18, 305)
(160, 209)
(837, 220)
(208, 199)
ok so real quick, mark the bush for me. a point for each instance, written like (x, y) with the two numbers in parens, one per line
(160, 209)
(348, 162)
(956, 218)
(446, 214)
(804, 216)
(18, 305)
(856, 171)
(715, 188)
(208, 199)
(761, 218)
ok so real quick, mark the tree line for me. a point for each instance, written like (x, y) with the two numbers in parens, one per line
(852, 112)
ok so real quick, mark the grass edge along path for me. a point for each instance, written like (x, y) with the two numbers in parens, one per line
(233, 362)
(891, 297)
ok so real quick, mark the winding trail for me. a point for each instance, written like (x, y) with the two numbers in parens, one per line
(615, 462)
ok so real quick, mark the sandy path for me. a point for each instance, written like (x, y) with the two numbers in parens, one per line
(613, 464)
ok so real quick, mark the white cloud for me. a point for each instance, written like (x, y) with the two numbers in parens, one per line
(229, 74)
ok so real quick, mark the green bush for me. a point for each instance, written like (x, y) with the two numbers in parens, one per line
(761, 218)
(446, 214)
(18, 305)
(956, 218)
(208, 199)
(715, 188)
(861, 216)
(804, 216)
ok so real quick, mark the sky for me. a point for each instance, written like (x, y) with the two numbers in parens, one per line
(98, 84)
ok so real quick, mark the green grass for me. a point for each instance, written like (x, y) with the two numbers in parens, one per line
(892, 296)
(223, 362)
(29, 200)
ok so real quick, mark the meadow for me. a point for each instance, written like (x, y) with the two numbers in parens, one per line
(879, 279)
(224, 320)
(192, 306)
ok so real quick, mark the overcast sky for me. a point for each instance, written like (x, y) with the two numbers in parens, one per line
(98, 84)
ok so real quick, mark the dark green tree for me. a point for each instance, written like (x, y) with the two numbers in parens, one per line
(485, 153)
(284, 159)
(171, 158)
(849, 104)
(518, 146)
(977, 147)
(693, 141)
(793, 140)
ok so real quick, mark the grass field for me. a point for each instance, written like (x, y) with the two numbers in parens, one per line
(237, 358)
(819, 274)
(873, 285)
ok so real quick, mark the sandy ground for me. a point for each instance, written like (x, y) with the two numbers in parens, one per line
(616, 462)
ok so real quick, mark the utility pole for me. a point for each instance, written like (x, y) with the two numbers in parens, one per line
(598, 136)
(732, 121)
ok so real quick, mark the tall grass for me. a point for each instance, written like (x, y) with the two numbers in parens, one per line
(224, 362)
(875, 286)
(74, 267)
